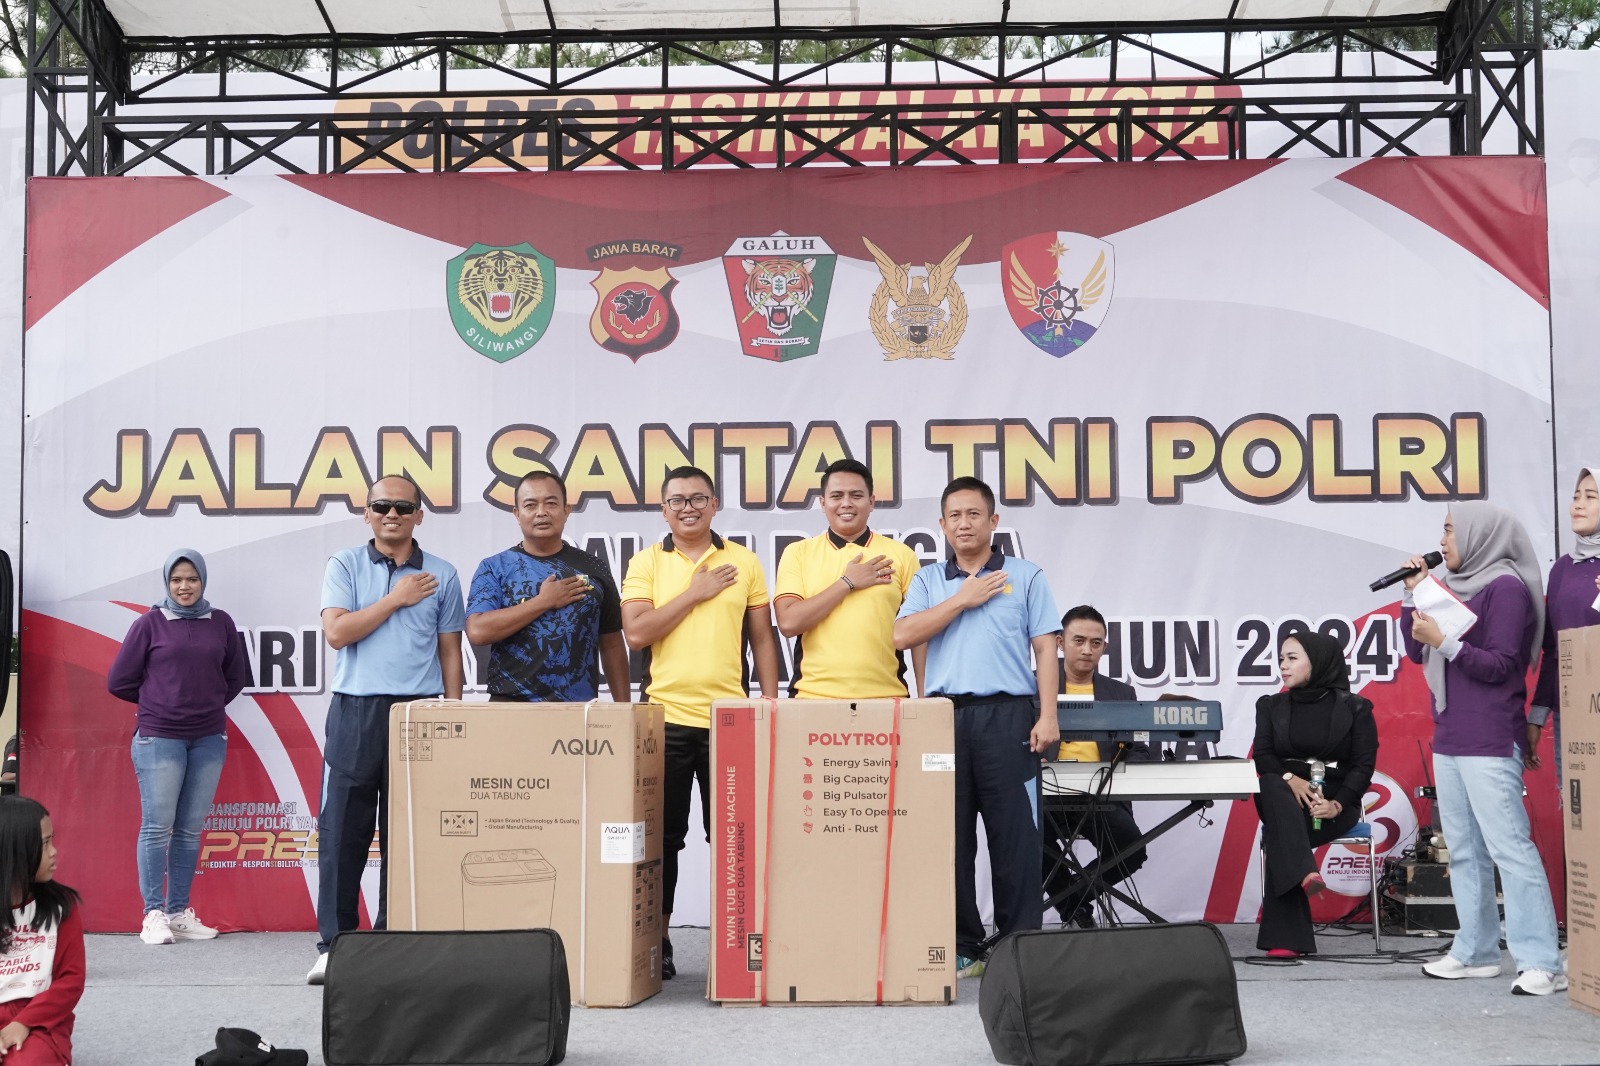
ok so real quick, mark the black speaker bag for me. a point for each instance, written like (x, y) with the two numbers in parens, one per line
(1130, 994)
(492, 998)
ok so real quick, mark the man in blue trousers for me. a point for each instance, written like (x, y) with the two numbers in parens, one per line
(990, 625)
(394, 615)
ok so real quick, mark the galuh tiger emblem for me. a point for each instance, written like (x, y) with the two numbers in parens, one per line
(778, 290)
(778, 286)
(918, 316)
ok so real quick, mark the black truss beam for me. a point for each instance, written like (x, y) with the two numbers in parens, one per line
(1486, 76)
(679, 139)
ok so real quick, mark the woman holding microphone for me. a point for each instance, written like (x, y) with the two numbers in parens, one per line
(1478, 684)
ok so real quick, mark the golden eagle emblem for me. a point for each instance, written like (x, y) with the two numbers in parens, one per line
(918, 316)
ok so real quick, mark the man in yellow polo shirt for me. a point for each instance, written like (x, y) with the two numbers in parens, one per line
(1110, 826)
(838, 594)
(690, 603)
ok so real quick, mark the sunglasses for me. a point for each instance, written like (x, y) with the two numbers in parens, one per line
(400, 507)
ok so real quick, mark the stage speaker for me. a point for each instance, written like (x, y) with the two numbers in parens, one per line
(430, 998)
(1114, 997)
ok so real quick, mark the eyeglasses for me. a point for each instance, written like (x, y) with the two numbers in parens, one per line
(698, 501)
(400, 507)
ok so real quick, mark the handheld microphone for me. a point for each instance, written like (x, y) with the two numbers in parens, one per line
(1319, 774)
(1433, 559)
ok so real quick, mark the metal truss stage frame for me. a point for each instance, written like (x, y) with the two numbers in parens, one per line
(88, 115)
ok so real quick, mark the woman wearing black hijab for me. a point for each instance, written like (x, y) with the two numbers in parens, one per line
(1315, 717)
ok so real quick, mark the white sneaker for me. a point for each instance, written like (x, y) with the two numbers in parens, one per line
(156, 929)
(1539, 983)
(185, 926)
(319, 971)
(1451, 969)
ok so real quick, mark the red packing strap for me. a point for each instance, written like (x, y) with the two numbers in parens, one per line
(888, 847)
(766, 859)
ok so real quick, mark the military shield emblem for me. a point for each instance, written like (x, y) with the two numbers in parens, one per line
(634, 313)
(500, 298)
(1058, 288)
(779, 286)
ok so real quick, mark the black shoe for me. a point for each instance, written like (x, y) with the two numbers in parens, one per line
(668, 971)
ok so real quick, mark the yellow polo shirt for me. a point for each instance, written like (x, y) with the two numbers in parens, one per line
(1080, 750)
(703, 658)
(849, 655)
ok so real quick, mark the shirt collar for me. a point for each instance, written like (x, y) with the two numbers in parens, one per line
(860, 542)
(376, 556)
(668, 545)
(952, 572)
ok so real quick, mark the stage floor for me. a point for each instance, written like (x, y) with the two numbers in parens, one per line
(162, 1005)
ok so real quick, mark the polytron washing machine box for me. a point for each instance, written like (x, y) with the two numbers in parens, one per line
(1580, 768)
(530, 816)
(811, 890)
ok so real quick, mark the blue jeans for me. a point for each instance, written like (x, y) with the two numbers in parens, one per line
(177, 780)
(1485, 826)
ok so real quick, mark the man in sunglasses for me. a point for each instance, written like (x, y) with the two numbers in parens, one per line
(393, 615)
(692, 601)
(549, 612)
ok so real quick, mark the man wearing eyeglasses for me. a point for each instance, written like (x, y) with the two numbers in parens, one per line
(838, 594)
(393, 615)
(548, 611)
(692, 601)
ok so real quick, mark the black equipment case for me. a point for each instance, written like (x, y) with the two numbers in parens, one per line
(493, 998)
(1145, 994)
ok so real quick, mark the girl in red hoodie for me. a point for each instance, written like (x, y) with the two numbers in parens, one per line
(41, 942)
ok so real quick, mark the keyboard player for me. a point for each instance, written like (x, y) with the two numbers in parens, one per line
(1108, 826)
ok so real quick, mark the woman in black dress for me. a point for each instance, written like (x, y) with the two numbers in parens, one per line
(1315, 718)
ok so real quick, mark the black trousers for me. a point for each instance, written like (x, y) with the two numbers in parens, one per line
(355, 803)
(1287, 840)
(997, 778)
(687, 760)
(1109, 828)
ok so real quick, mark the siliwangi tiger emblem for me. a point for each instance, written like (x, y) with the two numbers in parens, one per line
(780, 286)
(501, 298)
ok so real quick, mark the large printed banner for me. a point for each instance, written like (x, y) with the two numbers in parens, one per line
(1215, 400)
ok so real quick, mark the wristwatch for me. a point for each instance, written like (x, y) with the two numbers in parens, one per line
(1287, 776)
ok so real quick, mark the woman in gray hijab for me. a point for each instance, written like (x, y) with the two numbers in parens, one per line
(1569, 602)
(1478, 683)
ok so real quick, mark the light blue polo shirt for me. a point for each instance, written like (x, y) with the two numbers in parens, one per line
(401, 656)
(987, 650)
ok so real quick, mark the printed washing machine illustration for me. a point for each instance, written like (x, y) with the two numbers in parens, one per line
(513, 889)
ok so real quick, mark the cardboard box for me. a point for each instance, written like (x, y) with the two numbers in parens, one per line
(1580, 768)
(815, 884)
(534, 815)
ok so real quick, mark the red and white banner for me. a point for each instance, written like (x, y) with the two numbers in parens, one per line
(1214, 398)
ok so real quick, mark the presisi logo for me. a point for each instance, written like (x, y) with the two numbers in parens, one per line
(577, 746)
(1181, 714)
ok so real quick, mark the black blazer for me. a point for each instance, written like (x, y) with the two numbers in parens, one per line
(1354, 745)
